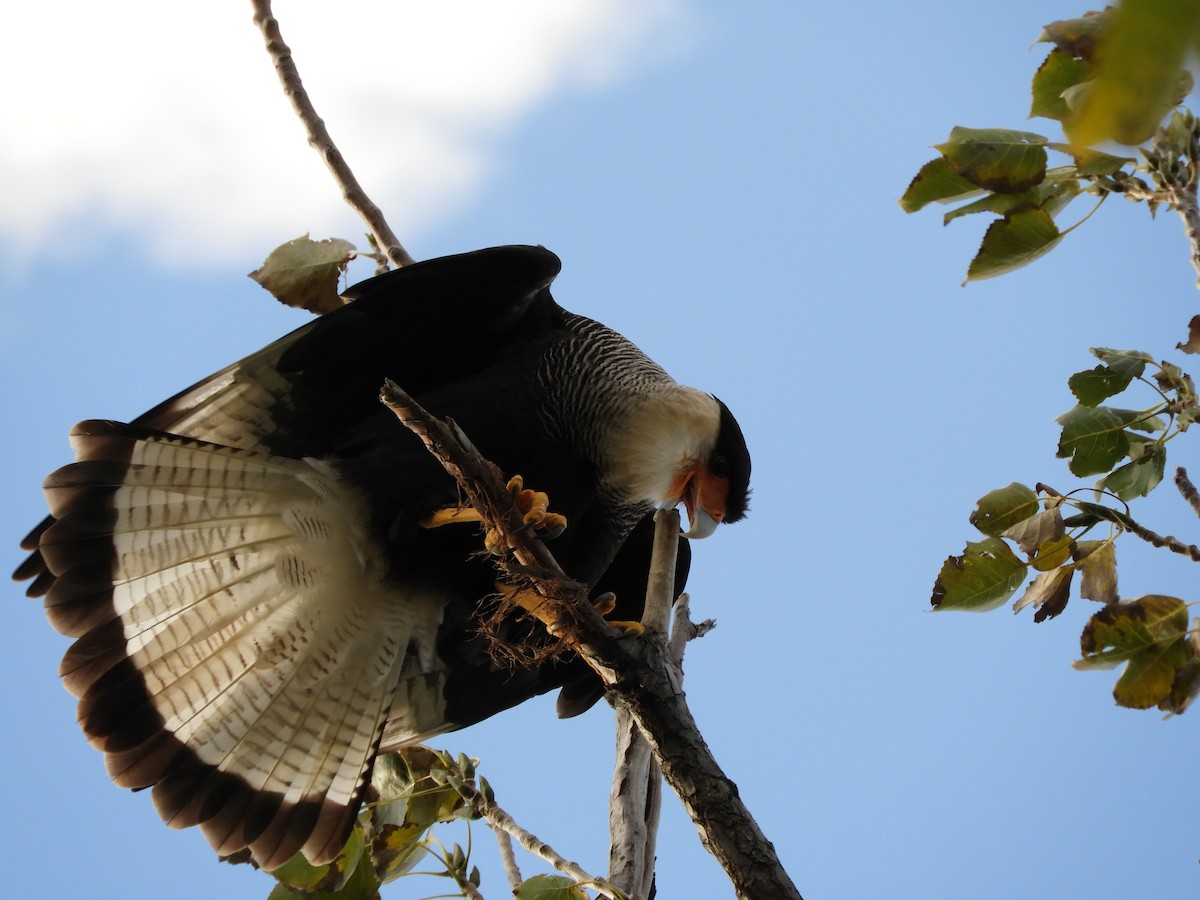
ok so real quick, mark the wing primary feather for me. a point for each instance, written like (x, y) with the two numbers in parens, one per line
(237, 645)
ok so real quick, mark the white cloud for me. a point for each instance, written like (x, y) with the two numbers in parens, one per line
(165, 121)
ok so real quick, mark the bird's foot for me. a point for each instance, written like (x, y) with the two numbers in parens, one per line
(606, 603)
(533, 507)
(537, 606)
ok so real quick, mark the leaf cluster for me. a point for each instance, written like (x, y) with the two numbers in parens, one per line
(411, 794)
(1110, 76)
(1041, 533)
(1149, 634)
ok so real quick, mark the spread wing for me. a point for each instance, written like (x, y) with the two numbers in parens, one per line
(238, 646)
(423, 326)
(250, 621)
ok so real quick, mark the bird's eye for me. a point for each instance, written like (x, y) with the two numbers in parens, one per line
(718, 465)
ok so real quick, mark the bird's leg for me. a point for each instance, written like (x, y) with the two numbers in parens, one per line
(532, 505)
(535, 604)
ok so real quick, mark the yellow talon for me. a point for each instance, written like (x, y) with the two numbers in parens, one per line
(633, 629)
(605, 603)
(451, 515)
(532, 505)
(535, 503)
(530, 601)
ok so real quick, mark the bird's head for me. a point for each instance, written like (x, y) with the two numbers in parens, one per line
(685, 446)
(714, 484)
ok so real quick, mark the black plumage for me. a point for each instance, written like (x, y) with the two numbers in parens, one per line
(258, 604)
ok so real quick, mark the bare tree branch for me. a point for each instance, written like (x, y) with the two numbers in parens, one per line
(638, 672)
(507, 858)
(636, 797)
(319, 139)
(1187, 489)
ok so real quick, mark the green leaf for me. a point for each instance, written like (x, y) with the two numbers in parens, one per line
(1095, 438)
(1050, 196)
(1001, 509)
(1090, 162)
(1078, 37)
(410, 803)
(1129, 362)
(1097, 561)
(1093, 386)
(998, 159)
(1149, 635)
(360, 884)
(983, 578)
(936, 182)
(1139, 79)
(303, 877)
(549, 887)
(1052, 553)
(1059, 72)
(1139, 477)
(1012, 242)
(304, 273)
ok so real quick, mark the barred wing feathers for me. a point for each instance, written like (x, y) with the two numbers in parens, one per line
(238, 645)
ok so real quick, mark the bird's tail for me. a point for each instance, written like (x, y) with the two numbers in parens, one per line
(237, 646)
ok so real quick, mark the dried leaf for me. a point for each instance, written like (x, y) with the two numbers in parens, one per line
(304, 273)
(1037, 530)
(1149, 635)
(1097, 561)
(1192, 344)
(1047, 593)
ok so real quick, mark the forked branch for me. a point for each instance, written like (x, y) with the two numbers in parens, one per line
(639, 672)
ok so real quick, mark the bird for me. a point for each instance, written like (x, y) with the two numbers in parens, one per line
(260, 596)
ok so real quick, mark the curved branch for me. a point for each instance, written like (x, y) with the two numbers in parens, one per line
(639, 673)
(319, 139)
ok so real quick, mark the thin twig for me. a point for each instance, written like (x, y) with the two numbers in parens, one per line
(319, 139)
(501, 821)
(639, 673)
(1136, 528)
(507, 858)
(1187, 489)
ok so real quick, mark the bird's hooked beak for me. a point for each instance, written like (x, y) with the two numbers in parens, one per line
(703, 495)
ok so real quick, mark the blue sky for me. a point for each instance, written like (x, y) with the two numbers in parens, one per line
(721, 185)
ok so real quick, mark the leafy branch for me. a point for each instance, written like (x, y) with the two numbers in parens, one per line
(1110, 76)
(1082, 84)
(1041, 532)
